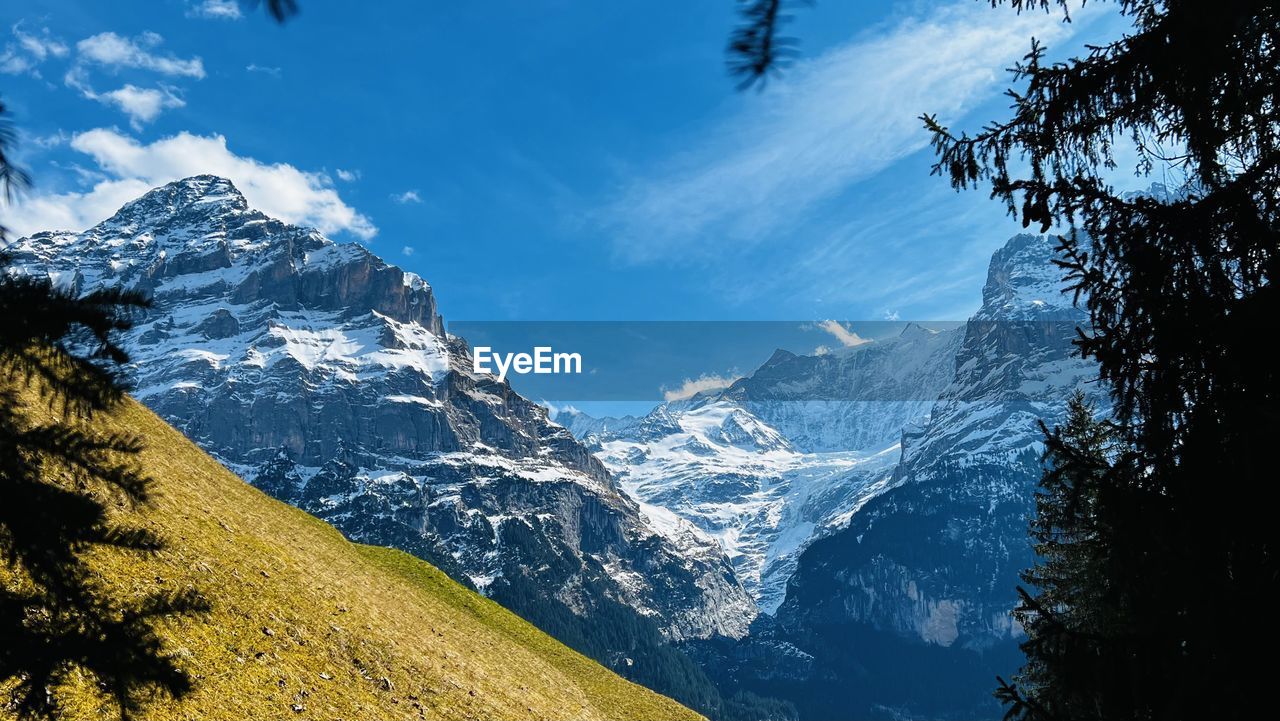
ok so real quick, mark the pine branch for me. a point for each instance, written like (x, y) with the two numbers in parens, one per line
(12, 177)
(279, 10)
(756, 47)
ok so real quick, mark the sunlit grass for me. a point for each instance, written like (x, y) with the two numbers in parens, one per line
(308, 625)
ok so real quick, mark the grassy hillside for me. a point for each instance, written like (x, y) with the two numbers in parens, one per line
(308, 625)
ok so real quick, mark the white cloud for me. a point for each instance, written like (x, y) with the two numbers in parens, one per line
(14, 63)
(347, 176)
(215, 10)
(264, 69)
(827, 124)
(891, 315)
(847, 338)
(130, 168)
(408, 196)
(52, 140)
(554, 411)
(114, 51)
(407, 251)
(142, 105)
(28, 50)
(40, 46)
(703, 383)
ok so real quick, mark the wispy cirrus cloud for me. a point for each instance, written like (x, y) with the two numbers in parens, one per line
(124, 168)
(828, 124)
(271, 70)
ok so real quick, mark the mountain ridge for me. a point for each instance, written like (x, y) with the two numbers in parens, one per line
(323, 375)
(782, 456)
(921, 582)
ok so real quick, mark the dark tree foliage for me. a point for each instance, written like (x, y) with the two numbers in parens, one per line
(56, 479)
(280, 10)
(1179, 287)
(12, 177)
(756, 47)
(1070, 611)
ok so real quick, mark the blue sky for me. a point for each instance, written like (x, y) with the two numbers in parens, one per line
(546, 160)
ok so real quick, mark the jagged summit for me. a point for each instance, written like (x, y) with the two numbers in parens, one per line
(780, 356)
(190, 191)
(915, 330)
(967, 477)
(202, 220)
(185, 203)
(1024, 284)
(198, 238)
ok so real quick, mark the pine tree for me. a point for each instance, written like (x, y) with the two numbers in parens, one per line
(1062, 617)
(55, 481)
(1179, 285)
(1184, 568)
(56, 618)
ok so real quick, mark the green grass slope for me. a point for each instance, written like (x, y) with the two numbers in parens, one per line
(308, 625)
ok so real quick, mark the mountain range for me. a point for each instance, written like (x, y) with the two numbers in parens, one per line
(781, 456)
(903, 612)
(839, 531)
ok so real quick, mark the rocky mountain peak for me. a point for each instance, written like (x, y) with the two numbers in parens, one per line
(915, 330)
(1023, 283)
(195, 189)
(183, 202)
(779, 357)
(965, 483)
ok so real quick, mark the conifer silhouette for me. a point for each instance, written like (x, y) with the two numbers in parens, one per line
(1163, 614)
(56, 480)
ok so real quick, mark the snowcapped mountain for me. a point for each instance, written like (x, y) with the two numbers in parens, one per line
(873, 500)
(581, 425)
(324, 376)
(857, 398)
(967, 478)
(764, 493)
(739, 482)
(920, 582)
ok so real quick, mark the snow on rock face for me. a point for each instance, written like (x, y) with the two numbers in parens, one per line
(582, 425)
(781, 457)
(857, 398)
(919, 581)
(760, 502)
(711, 469)
(323, 375)
(936, 557)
